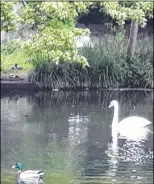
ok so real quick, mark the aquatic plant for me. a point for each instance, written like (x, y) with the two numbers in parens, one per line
(108, 67)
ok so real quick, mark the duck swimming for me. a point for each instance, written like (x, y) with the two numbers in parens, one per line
(29, 176)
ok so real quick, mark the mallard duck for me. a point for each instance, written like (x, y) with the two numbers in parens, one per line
(29, 176)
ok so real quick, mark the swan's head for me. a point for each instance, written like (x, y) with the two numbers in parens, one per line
(113, 103)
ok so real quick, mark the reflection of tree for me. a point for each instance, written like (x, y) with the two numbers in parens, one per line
(12, 122)
(53, 119)
(96, 144)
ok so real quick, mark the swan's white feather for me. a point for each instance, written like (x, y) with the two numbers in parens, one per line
(133, 121)
(133, 127)
(135, 134)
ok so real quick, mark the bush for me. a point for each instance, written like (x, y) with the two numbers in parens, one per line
(108, 67)
(108, 61)
(63, 75)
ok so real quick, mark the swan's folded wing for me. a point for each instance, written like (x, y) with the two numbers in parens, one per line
(133, 122)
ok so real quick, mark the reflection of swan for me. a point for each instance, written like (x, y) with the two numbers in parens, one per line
(128, 155)
(132, 127)
(129, 151)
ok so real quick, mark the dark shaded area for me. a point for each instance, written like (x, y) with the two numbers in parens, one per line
(23, 85)
(94, 16)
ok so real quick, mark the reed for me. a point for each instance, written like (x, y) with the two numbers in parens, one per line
(108, 67)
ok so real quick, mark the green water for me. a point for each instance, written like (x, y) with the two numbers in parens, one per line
(68, 135)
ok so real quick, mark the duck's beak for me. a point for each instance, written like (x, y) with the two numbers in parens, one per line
(13, 166)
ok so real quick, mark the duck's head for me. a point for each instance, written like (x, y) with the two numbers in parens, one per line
(18, 166)
(113, 103)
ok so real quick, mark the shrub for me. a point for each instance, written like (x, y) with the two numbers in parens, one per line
(108, 67)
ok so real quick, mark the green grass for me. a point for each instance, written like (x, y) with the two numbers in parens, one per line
(18, 57)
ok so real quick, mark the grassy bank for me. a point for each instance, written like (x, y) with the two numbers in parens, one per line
(108, 66)
(12, 53)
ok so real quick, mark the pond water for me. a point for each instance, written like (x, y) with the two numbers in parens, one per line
(70, 133)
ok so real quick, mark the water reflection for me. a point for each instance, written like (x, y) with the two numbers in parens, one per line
(70, 131)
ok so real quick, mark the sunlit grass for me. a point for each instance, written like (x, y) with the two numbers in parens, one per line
(18, 57)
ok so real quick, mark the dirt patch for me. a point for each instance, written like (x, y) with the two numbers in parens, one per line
(14, 76)
(16, 80)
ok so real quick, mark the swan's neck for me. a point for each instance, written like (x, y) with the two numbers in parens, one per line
(115, 121)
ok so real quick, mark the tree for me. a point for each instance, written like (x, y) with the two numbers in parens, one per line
(137, 12)
(8, 16)
(55, 22)
(55, 25)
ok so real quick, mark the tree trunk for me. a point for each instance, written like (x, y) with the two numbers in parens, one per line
(132, 39)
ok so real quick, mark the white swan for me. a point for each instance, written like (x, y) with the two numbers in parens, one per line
(132, 128)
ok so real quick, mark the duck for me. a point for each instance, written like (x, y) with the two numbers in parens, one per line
(28, 176)
(132, 128)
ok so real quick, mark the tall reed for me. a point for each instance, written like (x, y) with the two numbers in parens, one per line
(108, 67)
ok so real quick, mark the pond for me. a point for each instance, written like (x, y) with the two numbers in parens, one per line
(68, 135)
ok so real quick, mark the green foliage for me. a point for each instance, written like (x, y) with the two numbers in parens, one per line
(142, 64)
(57, 61)
(121, 11)
(12, 53)
(45, 13)
(55, 22)
(8, 16)
(50, 75)
(111, 55)
(55, 46)
(108, 63)
(11, 46)
(108, 68)
(18, 57)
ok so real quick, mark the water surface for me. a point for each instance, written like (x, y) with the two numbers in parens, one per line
(70, 132)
